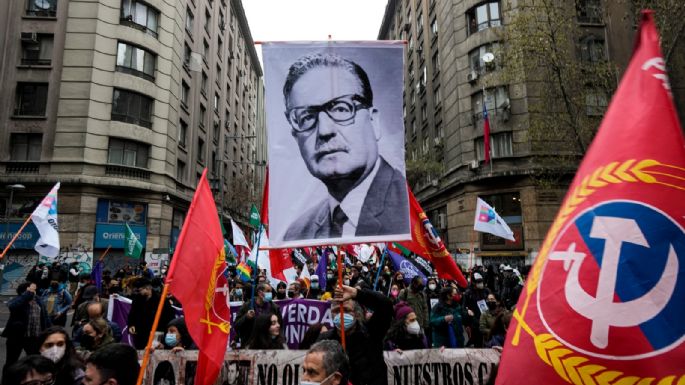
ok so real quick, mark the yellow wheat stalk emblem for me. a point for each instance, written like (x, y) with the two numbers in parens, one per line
(573, 368)
(209, 296)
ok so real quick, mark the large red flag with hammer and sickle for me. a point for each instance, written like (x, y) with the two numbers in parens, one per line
(197, 279)
(605, 300)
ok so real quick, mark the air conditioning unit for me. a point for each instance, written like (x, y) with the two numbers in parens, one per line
(29, 37)
(438, 141)
(472, 76)
(434, 182)
(473, 165)
(442, 221)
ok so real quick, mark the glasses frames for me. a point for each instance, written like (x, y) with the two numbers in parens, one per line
(342, 110)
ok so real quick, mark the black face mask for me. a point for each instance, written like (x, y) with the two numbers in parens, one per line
(492, 305)
(291, 294)
(87, 341)
(280, 295)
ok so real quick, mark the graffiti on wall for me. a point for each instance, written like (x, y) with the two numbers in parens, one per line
(17, 266)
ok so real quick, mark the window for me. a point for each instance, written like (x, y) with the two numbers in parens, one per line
(42, 8)
(200, 150)
(136, 61)
(425, 146)
(592, 49)
(413, 127)
(31, 99)
(128, 153)
(138, 14)
(208, 20)
(220, 49)
(424, 113)
(496, 101)
(25, 146)
(203, 115)
(483, 16)
(187, 54)
(205, 51)
(595, 103)
(217, 102)
(435, 61)
(222, 21)
(185, 93)
(190, 20)
(419, 23)
(36, 49)
(203, 84)
(218, 74)
(437, 97)
(500, 146)
(424, 77)
(182, 133)
(589, 11)
(132, 107)
(180, 170)
(439, 132)
(434, 27)
(213, 164)
(226, 138)
(476, 57)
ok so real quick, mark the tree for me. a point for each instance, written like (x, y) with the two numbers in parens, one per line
(567, 78)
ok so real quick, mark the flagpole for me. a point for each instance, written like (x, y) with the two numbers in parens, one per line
(105, 253)
(380, 266)
(16, 235)
(155, 323)
(342, 308)
(256, 262)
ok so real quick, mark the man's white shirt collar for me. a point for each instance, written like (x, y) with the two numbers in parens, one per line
(352, 204)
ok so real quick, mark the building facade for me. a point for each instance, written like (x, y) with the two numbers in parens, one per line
(455, 68)
(125, 102)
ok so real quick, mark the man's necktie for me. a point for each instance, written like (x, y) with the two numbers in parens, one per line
(337, 221)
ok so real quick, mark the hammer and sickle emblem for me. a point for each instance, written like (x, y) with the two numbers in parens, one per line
(602, 309)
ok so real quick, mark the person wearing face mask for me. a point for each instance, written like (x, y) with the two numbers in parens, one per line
(487, 318)
(416, 298)
(237, 294)
(266, 333)
(263, 304)
(177, 337)
(281, 290)
(96, 335)
(405, 332)
(143, 309)
(33, 369)
(325, 364)
(476, 293)
(294, 291)
(394, 292)
(363, 337)
(57, 301)
(96, 310)
(56, 345)
(446, 320)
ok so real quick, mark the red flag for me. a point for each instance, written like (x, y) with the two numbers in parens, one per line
(486, 133)
(604, 300)
(426, 243)
(196, 278)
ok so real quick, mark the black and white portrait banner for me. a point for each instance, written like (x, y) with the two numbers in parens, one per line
(336, 143)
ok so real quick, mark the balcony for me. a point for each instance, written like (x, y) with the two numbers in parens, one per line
(128, 172)
(22, 168)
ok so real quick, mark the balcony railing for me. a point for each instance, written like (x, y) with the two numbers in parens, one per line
(121, 171)
(22, 168)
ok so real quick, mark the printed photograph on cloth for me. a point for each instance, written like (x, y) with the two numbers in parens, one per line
(335, 142)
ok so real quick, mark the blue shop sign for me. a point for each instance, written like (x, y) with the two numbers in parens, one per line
(26, 240)
(113, 235)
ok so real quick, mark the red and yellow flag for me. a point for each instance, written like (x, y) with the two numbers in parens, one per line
(426, 242)
(196, 278)
(603, 303)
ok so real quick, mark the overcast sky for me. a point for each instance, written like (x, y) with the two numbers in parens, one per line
(279, 20)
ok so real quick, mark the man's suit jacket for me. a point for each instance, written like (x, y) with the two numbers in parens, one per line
(385, 210)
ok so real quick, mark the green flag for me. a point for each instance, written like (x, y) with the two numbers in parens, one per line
(255, 220)
(132, 246)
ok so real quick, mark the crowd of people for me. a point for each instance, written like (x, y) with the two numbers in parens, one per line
(381, 311)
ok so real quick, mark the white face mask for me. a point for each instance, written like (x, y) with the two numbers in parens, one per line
(54, 353)
(413, 328)
(431, 286)
(317, 383)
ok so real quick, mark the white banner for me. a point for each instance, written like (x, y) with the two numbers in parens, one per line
(488, 221)
(284, 367)
(45, 219)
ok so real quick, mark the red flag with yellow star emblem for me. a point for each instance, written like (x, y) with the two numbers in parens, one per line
(197, 279)
(426, 242)
(603, 303)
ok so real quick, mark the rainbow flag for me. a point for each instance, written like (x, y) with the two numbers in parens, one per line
(244, 271)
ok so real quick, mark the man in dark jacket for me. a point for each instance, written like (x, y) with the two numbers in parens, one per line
(143, 310)
(363, 339)
(27, 319)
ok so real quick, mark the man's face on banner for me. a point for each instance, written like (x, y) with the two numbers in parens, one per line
(330, 149)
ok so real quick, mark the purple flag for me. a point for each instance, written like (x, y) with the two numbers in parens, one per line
(96, 275)
(406, 266)
(321, 269)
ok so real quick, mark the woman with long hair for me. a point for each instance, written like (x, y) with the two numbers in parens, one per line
(177, 337)
(96, 334)
(54, 343)
(446, 320)
(266, 333)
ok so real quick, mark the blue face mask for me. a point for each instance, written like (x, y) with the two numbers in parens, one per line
(349, 321)
(238, 292)
(268, 296)
(170, 339)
